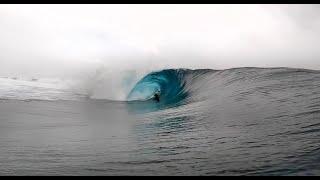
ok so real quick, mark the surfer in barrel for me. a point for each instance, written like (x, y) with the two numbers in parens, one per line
(157, 96)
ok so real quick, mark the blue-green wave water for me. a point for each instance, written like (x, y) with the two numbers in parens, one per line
(169, 85)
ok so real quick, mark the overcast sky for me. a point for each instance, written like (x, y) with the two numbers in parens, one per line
(61, 39)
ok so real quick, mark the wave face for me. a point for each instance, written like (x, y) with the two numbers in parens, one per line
(185, 85)
(169, 84)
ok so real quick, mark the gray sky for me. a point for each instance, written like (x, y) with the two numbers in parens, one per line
(50, 40)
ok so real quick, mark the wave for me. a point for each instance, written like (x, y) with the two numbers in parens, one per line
(182, 86)
(169, 84)
(175, 86)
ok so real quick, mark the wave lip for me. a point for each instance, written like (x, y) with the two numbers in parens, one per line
(170, 84)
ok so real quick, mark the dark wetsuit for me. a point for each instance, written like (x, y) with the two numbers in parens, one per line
(157, 97)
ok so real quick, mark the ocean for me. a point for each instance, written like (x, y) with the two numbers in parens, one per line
(242, 121)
